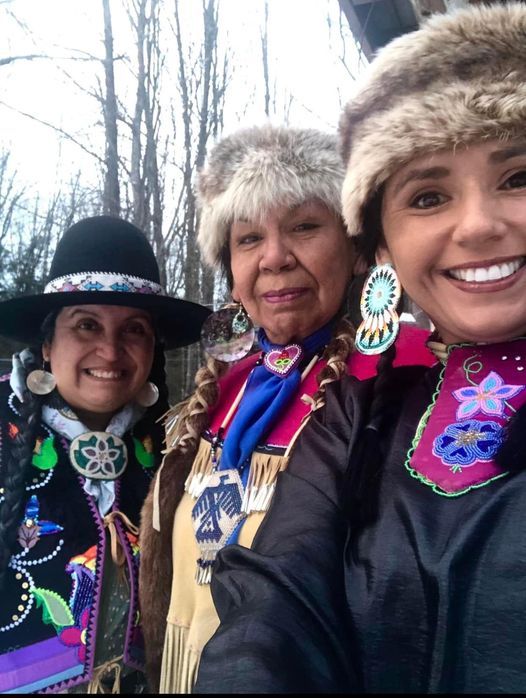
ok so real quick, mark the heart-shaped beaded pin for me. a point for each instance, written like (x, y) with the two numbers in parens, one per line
(282, 361)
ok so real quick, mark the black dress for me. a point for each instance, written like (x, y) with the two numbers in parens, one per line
(428, 596)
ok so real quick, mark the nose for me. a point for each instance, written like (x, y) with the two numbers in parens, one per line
(276, 254)
(480, 220)
(110, 346)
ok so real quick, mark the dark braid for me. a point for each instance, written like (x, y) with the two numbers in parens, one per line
(364, 470)
(336, 355)
(511, 455)
(151, 423)
(16, 472)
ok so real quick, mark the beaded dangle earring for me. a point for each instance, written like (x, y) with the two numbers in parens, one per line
(228, 334)
(380, 296)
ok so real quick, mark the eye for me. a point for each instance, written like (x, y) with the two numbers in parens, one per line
(87, 324)
(306, 226)
(247, 239)
(138, 328)
(428, 199)
(516, 181)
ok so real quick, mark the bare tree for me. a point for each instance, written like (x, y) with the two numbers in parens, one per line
(147, 178)
(111, 196)
(202, 86)
(264, 55)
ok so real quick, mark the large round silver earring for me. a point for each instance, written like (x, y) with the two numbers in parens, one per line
(228, 334)
(147, 395)
(40, 381)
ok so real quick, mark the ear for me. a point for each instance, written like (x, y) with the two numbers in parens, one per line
(360, 266)
(235, 295)
(383, 256)
(46, 351)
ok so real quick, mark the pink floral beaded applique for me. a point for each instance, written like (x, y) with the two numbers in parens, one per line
(480, 390)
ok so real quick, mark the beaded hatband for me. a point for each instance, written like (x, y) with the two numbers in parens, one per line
(103, 281)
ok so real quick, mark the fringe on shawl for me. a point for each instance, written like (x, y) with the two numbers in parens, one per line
(264, 469)
(180, 662)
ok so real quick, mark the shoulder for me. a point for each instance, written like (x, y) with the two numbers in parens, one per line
(239, 370)
(352, 393)
(229, 386)
(411, 348)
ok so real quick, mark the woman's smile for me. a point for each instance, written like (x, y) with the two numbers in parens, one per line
(488, 275)
(104, 374)
(291, 270)
(285, 295)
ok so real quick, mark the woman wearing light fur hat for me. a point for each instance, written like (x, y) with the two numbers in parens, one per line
(411, 579)
(270, 202)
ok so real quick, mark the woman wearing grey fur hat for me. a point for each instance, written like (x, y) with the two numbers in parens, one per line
(270, 216)
(410, 576)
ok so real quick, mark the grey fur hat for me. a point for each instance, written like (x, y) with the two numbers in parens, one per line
(458, 79)
(256, 169)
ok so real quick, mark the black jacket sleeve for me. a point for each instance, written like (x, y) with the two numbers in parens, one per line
(282, 604)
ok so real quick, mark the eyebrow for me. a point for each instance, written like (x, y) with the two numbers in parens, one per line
(507, 153)
(291, 211)
(84, 311)
(421, 174)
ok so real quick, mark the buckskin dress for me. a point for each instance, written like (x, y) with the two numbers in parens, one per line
(178, 613)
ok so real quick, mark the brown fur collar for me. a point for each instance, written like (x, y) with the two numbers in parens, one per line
(155, 575)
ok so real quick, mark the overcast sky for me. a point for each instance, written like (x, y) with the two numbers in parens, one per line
(305, 62)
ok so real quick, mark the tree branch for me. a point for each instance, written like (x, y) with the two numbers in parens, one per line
(66, 135)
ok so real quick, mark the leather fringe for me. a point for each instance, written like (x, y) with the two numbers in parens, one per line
(179, 676)
(264, 469)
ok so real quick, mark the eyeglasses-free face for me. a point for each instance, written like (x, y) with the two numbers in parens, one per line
(291, 269)
(454, 225)
(101, 356)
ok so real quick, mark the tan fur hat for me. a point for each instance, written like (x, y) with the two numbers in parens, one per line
(256, 169)
(458, 79)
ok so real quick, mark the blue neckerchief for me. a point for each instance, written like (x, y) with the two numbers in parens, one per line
(264, 399)
(217, 515)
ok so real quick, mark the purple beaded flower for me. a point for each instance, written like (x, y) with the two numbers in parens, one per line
(464, 443)
(489, 397)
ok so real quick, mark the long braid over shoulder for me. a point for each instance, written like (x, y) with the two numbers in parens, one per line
(190, 418)
(336, 355)
(151, 423)
(365, 470)
(16, 471)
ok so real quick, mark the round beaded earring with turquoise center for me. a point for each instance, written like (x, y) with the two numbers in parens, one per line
(380, 297)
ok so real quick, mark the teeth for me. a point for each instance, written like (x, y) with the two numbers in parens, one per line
(495, 272)
(104, 374)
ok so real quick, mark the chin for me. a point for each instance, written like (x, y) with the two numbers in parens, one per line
(485, 330)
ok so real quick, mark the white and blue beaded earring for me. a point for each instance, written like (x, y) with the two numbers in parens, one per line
(380, 297)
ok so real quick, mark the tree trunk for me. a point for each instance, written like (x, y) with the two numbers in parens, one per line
(111, 196)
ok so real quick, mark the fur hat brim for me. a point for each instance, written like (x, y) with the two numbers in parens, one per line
(457, 80)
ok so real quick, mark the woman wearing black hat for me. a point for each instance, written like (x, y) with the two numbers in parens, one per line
(79, 442)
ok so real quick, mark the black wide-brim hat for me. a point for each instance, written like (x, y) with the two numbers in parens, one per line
(104, 261)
